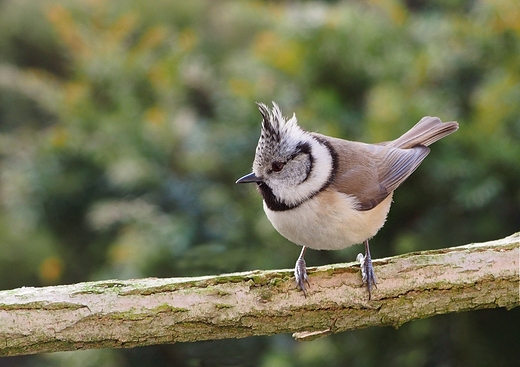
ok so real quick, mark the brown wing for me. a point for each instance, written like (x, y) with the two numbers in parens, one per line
(371, 172)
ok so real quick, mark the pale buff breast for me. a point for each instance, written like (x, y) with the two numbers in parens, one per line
(329, 221)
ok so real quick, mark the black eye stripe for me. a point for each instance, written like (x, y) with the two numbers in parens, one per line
(301, 148)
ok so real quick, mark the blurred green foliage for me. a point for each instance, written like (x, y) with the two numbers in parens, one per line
(123, 126)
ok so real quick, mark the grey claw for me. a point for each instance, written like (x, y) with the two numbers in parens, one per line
(300, 273)
(367, 270)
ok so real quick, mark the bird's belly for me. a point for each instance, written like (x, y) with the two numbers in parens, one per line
(329, 221)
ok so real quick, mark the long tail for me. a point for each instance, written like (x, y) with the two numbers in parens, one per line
(425, 132)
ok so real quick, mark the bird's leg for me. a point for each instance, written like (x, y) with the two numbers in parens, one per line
(300, 272)
(367, 270)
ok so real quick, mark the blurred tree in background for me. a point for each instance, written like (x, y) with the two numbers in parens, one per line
(123, 126)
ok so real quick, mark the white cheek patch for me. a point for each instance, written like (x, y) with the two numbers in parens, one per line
(321, 171)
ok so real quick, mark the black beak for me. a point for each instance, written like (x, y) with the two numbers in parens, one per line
(249, 178)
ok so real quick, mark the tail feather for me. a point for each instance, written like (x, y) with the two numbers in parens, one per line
(426, 132)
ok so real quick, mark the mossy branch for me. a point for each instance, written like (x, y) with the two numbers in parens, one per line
(130, 313)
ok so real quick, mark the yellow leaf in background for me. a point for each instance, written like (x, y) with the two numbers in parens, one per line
(419, 69)
(241, 87)
(129, 248)
(74, 92)
(51, 269)
(162, 74)
(155, 116)
(384, 107)
(394, 9)
(96, 4)
(63, 23)
(506, 15)
(151, 39)
(494, 101)
(265, 41)
(120, 253)
(187, 39)
(122, 28)
(59, 136)
(285, 55)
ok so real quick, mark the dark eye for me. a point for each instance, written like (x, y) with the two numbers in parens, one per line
(277, 166)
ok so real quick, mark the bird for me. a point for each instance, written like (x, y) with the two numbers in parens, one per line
(327, 193)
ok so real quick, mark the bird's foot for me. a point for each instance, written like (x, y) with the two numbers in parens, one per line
(300, 273)
(367, 270)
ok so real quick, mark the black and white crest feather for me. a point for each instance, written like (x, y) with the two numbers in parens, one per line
(278, 136)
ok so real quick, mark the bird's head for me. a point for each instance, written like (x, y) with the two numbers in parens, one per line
(291, 164)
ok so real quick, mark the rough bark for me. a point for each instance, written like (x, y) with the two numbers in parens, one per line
(124, 314)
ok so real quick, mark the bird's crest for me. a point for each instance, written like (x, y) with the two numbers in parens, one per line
(278, 133)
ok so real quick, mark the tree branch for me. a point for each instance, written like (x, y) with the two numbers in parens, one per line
(124, 314)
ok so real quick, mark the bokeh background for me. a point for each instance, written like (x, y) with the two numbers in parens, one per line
(124, 124)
